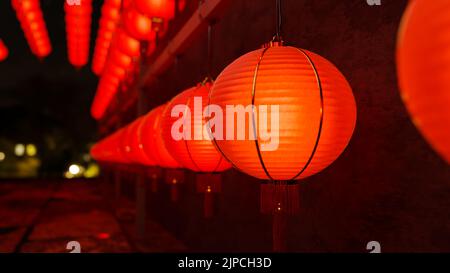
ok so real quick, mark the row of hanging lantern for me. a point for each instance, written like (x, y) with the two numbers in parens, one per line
(110, 16)
(316, 118)
(140, 23)
(78, 31)
(3, 51)
(31, 19)
(312, 117)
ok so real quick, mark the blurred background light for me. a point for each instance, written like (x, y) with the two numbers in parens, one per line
(74, 169)
(19, 149)
(2, 156)
(92, 171)
(31, 150)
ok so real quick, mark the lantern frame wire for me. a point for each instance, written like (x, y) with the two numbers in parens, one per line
(319, 133)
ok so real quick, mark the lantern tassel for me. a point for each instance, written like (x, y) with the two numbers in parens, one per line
(280, 200)
(174, 191)
(154, 184)
(208, 203)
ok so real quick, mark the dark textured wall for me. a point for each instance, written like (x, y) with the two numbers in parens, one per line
(387, 186)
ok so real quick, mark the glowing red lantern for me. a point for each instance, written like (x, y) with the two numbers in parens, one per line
(316, 112)
(195, 149)
(152, 139)
(164, 9)
(109, 149)
(108, 23)
(127, 44)
(3, 51)
(153, 145)
(78, 29)
(137, 25)
(134, 147)
(29, 14)
(423, 65)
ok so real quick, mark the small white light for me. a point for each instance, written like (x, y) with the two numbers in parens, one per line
(74, 169)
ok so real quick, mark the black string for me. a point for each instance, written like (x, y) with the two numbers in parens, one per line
(210, 52)
(279, 21)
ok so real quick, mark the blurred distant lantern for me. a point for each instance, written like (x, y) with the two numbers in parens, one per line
(78, 29)
(423, 65)
(299, 117)
(109, 149)
(153, 145)
(3, 51)
(29, 14)
(159, 11)
(134, 150)
(107, 26)
(123, 54)
(127, 44)
(187, 139)
(137, 25)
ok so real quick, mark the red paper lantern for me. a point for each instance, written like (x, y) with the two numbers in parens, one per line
(127, 44)
(423, 65)
(108, 24)
(29, 14)
(137, 25)
(164, 9)
(78, 29)
(134, 144)
(109, 149)
(317, 112)
(195, 151)
(152, 139)
(3, 51)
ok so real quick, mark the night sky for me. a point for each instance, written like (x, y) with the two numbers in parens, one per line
(46, 102)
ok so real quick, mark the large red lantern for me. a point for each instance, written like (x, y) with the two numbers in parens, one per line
(3, 51)
(195, 150)
(295, 115)
(316, 112)
(423, 65)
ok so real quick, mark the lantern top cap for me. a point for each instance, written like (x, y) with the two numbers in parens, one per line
(274, 43)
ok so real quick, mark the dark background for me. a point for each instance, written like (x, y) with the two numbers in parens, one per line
(45, 102)
(387, 186)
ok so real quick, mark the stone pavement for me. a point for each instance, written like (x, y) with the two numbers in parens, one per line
(44, 216)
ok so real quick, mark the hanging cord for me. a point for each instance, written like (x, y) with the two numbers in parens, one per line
(210, 51)
(279, 22)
